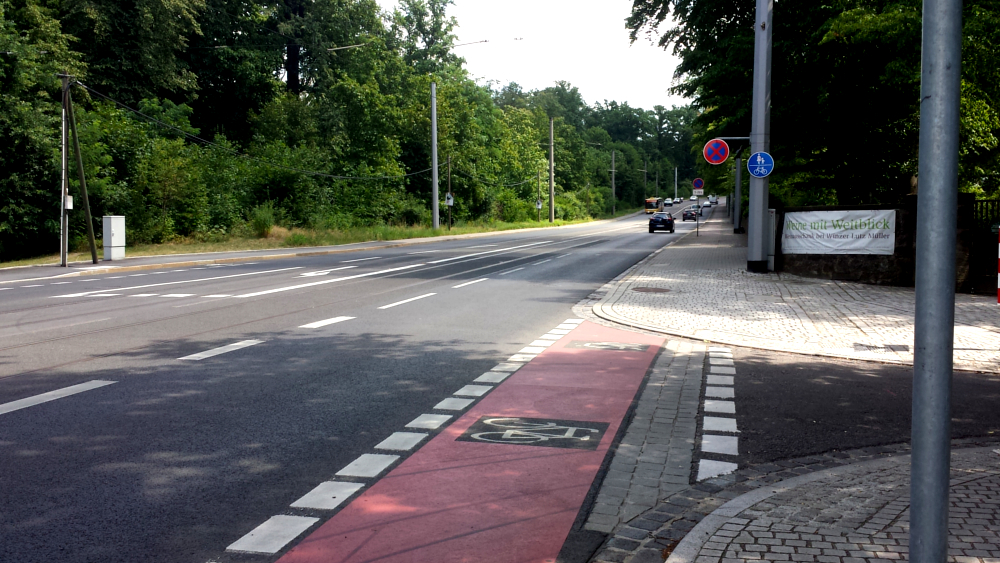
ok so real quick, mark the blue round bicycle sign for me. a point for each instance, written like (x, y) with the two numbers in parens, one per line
(760, 164)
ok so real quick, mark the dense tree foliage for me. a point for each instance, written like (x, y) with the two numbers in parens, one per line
(198, 115)
(845, 89)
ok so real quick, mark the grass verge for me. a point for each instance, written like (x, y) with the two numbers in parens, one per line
(285, 238)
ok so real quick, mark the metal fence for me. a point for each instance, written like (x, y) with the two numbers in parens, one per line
(986, 213)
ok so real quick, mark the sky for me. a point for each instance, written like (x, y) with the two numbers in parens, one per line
(584, 42)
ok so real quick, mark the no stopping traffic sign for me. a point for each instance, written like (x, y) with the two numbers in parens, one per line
(716, 151)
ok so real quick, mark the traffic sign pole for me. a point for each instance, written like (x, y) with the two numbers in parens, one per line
(760, 137)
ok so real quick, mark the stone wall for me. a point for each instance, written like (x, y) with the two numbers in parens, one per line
(898, 269)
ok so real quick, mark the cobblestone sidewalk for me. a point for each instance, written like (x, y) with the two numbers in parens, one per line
(699, 288)
(850, 507)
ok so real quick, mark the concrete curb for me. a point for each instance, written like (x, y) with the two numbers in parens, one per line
(335, 250)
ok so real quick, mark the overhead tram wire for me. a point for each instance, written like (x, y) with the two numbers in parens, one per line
(197, 139)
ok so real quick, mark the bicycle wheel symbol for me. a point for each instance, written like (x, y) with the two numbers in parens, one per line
(536, 432)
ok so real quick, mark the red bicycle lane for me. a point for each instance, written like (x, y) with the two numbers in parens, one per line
(506, 491)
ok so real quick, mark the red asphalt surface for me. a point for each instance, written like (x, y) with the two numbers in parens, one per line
(455, 501)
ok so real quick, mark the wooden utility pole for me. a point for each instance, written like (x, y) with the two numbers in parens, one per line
(83, 179)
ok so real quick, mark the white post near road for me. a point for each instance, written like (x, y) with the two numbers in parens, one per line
(435, 220)
(760, 137)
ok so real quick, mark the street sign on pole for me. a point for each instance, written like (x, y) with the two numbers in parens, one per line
(449, 200)
(760, 165)
(538, 204)
(699, 186)
(716, 151)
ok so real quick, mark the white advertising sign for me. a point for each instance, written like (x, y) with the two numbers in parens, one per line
(840, 232)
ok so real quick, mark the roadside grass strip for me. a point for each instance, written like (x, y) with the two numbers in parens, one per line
(222, 350)
(52, 396)
(718, 431)
(277, 532)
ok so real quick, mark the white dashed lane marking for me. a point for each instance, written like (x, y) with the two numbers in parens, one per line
(179, 295)
(390, 305)
(222, 350)
(453, 404)
(510, 271)
(429, 421)
(717, 431)
(360, 259)
(368, 465)
(473, 390)
(328, 495)
(320, 324)
(469, 283)
(491, 377)
(83, 294)
(52, 396)
(273, 534)
(324, 282)
(401, 441)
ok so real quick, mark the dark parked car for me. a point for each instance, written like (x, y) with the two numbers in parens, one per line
(690, 213)
(662, 221)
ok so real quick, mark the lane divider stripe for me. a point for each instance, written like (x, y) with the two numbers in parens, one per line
(52, 395)
(179, 282)
(469, 283)
(320, 324)
(390, 305)
(324, 282)
(222, 350)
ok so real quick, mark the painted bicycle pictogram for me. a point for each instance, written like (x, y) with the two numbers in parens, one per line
(536, 432)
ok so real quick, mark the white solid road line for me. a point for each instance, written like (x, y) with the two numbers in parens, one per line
(359, 259)
(469, 283)
(390, 305)
(489, 252)
(182, 281)
(328, 495)
(273, 534)
(144, 295)
(222, 350)
(324, 282)
(52, 396)
(179, 295)
(368, 465)
(320, 324)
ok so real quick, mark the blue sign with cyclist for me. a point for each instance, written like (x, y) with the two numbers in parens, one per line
(760, 164)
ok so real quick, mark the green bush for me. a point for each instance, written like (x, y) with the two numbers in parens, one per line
(262, 219)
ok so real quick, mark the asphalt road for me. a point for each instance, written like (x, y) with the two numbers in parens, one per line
(178, 458)
(789, 405)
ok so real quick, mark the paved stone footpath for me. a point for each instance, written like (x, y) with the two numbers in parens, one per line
(845, 507)
(699, 288)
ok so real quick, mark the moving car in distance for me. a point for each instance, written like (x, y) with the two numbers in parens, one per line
(668, 202)
(678, 200)
(690, 213)
(662, 221)
(713, 199)
(693, 198)
(654, 204)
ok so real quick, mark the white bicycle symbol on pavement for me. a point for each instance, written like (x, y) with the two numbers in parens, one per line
(517, 431)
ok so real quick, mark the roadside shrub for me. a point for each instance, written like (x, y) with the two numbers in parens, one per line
(262, 219)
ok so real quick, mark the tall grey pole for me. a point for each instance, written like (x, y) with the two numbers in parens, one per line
(937, 221)
(613, 202)
(435, 220)
(64, 181)
(552, 170)
(645, 184)
(760, 137)
(657, 181)
(675, 182)
(738, 197)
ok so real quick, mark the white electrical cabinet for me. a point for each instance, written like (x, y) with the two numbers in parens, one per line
(114, 237)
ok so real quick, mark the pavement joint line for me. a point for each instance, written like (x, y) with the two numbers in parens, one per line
(52, 395)
(222, 350)
(390, 305)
